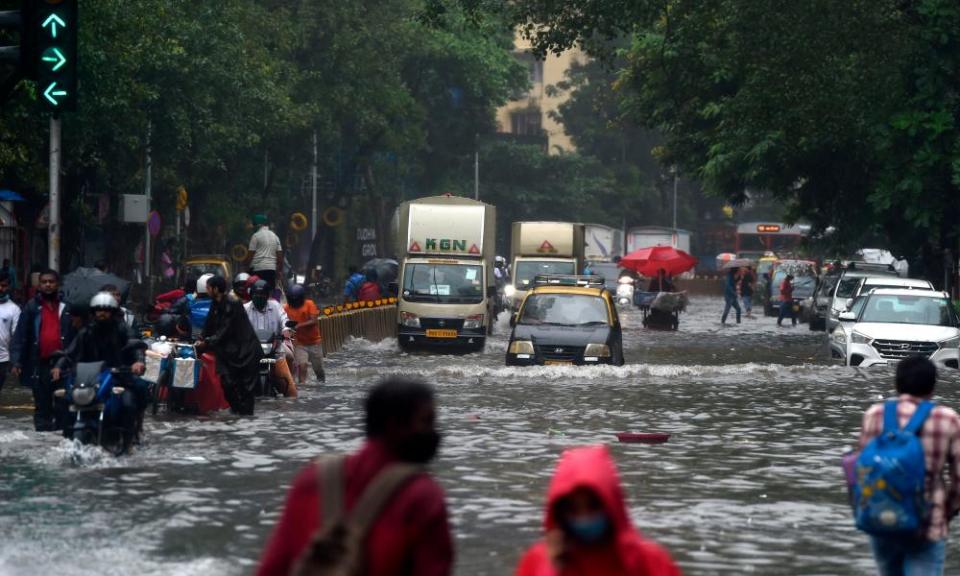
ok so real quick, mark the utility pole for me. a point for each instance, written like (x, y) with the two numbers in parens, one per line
(676, 177)
(313, 196)
(476, 167)
(53, 230)
(147, 185)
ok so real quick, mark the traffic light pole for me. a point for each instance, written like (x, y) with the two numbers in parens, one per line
(53, 230)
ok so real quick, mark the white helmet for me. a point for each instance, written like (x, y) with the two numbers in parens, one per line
(241, 279)
(202, 283)
(104, 301)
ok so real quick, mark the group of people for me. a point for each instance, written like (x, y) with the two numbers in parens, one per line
(740, 284)
(383, 501)
(379, 512)
(44, 339)
(361, 286)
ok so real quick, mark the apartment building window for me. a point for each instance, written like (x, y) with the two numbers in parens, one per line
(526, 122)
(534, 67)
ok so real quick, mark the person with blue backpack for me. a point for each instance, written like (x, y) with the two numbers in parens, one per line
(899, 495)
(351, 290)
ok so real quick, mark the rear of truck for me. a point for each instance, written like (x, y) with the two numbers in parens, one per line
(446, 279)
(543, 249)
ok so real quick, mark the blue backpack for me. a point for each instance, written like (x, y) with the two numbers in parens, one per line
(889, 496)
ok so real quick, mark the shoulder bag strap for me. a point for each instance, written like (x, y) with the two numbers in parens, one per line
(378, 493)
(919, 417)
(330, 478)
(890, 422)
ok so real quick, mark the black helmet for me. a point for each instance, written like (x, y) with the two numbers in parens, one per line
(296, 295)
(167, 325)
(260, 288)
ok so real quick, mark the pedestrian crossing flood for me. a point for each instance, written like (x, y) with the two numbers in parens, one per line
(749, 481)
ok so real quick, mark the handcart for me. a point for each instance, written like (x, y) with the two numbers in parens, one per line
(661, 310)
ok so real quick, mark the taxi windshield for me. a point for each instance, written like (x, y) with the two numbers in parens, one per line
(564, 310)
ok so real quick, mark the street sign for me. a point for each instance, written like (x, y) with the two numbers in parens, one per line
(54, 25)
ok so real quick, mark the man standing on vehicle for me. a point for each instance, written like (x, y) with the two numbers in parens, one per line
(265, 253)
(229, 335)
(923, 554)
(45, 327)
(9, 315)
(410, 534)
(786, 300)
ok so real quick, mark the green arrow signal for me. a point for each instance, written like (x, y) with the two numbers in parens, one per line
(51, 92)
(53, 21)
(54, 55)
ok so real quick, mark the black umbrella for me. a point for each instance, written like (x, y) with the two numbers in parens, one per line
(81, 285)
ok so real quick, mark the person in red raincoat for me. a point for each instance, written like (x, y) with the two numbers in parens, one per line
(588, 531)
(370, 290)
(411, 536)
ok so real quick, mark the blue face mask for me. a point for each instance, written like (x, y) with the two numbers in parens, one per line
(590, 529)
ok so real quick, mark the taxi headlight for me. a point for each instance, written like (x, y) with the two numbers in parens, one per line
(83, 396)
(858, 338)
(521, 347)
(598, 350)
(509, 291)
(950, 342)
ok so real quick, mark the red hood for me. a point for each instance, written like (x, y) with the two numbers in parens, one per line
(590, 467)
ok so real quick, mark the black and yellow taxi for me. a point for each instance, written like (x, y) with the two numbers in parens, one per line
(566, 320)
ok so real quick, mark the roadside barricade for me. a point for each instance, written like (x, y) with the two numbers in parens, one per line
(374, 321)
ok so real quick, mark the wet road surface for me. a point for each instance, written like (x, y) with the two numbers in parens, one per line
(748, 483)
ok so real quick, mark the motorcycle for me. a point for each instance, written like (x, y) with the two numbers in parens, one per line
(268, 384)
(104, 400)
(625, 290)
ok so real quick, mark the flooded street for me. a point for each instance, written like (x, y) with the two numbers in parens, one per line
(748, 483)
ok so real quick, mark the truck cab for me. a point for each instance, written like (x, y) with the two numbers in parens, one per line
(447, 289)
(542, 249)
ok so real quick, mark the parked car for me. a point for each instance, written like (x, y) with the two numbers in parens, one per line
(852, 284)
(887, 325)
(566, 320)
(818, 305)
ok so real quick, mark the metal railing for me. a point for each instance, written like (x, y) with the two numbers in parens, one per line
(374, 320)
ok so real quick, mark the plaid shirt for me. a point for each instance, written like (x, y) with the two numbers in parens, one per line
(940, 436)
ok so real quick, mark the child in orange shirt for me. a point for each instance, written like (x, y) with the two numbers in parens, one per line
(308, 347)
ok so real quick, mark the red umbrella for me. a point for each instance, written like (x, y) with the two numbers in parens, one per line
(648, 261)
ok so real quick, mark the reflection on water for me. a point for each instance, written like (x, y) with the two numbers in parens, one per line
(748, 483)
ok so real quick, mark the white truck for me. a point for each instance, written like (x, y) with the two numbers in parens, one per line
(648, 236)
(542, 248)
(602, 243)
(446, 285)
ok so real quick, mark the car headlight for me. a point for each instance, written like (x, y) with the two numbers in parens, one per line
(858, 338)
(509, 290)
(950, 342)
(521, 347)
(409, 320)
(83, 396)
(472, 322)
(839, 337)
(597, 350)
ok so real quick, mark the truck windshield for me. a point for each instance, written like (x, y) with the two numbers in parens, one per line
(527, 270)
(443, 283)
(908, 310)
(564, 310)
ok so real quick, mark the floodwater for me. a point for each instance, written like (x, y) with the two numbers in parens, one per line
(748, 483)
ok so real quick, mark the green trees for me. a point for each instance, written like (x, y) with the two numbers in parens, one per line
(845, 112)
(232, 91)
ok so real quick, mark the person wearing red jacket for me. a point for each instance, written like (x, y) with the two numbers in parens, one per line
(369, 290)
(411, 535)
(588, 530)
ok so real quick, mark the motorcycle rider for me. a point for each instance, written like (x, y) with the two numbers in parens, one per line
(104, 340)
(125, 314)
(268, 318)
(240, 289)
(195, 307)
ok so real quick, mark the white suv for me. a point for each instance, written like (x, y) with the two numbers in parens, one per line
(853, 285)
(888, 325)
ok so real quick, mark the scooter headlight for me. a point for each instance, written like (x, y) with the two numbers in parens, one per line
(509, 290)
(83, 396)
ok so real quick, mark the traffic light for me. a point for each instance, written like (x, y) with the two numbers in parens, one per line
(53, 24)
